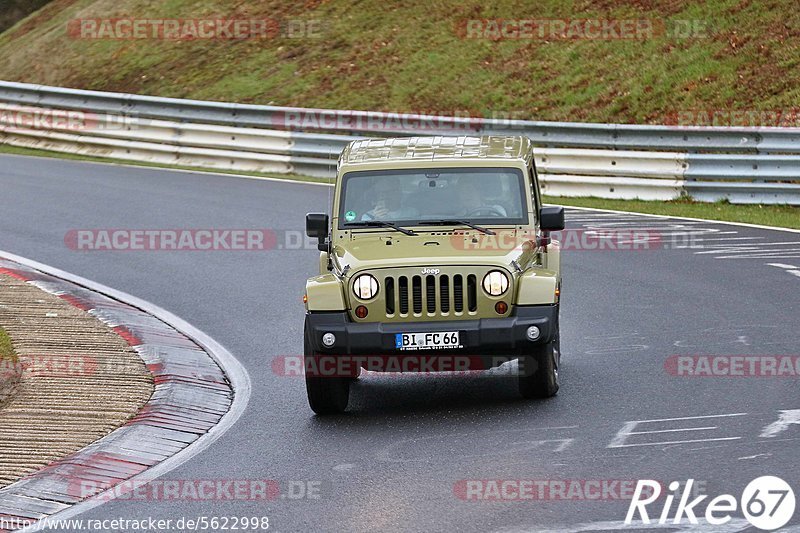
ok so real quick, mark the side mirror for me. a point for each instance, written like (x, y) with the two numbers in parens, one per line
(551, 219)
(317, 226)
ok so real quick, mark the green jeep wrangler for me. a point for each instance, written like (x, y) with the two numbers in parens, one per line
(439, 248)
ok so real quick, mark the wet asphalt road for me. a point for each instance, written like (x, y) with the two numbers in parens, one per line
(399, 459)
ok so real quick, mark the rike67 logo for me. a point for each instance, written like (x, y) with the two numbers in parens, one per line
(768, 503)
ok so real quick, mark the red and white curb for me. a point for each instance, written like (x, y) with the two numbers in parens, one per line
(200, 392)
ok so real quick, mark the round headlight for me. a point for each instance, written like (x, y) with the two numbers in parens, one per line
(365, 287)
(495, 283)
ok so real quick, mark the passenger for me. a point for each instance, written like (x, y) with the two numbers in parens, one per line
(388, 203)
(473, 203)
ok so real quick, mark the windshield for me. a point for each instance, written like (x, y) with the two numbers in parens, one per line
(419, 196)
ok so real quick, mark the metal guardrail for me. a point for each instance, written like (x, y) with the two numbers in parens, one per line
(745, 165)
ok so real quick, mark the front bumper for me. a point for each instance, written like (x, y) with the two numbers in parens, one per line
(487, 336)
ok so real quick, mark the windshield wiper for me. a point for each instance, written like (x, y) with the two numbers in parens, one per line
(379, 224)
(453, 222)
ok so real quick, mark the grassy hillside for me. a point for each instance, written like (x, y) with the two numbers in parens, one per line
(12, 11)
(411, 56)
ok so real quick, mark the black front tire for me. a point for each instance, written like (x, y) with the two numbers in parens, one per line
(326, 395)
(538, 375)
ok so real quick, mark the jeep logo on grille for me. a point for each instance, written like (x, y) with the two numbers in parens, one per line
(434, 271)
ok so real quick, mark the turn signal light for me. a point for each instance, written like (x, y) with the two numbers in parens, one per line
(501, 308)
(361, 311)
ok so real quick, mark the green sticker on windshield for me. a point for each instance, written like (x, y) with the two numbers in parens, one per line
(350, 216)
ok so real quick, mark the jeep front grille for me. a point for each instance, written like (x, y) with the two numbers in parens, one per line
(436, 295)
(390, 307)
(416, 294)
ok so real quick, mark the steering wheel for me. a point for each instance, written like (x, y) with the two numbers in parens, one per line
(485, 209)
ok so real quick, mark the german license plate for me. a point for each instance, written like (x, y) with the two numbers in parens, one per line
(427, 341)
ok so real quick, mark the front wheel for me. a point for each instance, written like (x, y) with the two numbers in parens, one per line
(538, 373)
(326, 394)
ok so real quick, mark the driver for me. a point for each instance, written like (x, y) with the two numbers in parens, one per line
(472, 201)
(388, 202)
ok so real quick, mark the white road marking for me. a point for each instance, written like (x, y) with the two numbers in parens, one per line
(692, 417)
(727, 238)
(703, 237)
(620, 440)
(672, 442)
(699, 235)
(743, 340)
(631, 348)
(748, 247)
(756, 456)
(790, 269)
(764, 250)
(692, 235)
(598, 211)
(671, 430)
(771, 254)
(563, 444)
(786, 419)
